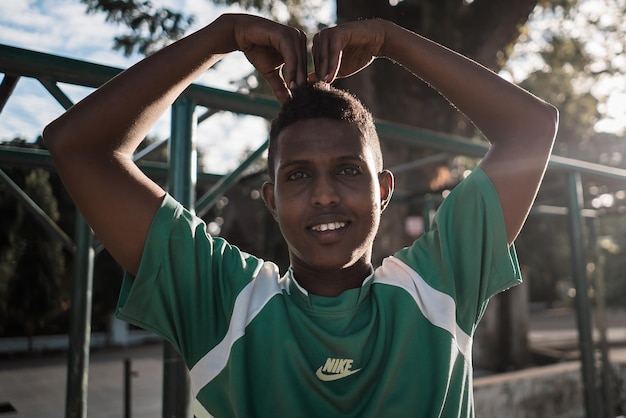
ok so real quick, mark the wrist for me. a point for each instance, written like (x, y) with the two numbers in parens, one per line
(391, 46)
(385, 38)
(221, 34)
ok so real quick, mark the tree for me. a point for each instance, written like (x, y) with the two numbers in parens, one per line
(578, 66)
(487, 31)
(483, 29)
(578, 55)
(150, 27)
(31, 290)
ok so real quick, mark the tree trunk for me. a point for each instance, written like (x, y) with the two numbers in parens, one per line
(484, 30)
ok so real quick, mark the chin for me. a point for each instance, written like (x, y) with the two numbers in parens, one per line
(345, 264)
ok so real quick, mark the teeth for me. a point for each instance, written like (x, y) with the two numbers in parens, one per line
(329, 226)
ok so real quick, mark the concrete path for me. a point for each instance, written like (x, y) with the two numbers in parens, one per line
(35, 387)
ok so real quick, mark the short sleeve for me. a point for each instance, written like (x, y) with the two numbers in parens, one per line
(187, 282)
(466, 254)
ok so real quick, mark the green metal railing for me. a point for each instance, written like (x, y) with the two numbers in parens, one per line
(181, 176)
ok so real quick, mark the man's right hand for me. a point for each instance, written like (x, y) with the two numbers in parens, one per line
(277, 51)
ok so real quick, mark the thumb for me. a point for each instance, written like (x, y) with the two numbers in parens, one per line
(278, 86)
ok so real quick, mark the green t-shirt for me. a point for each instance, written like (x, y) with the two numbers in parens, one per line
(257, 344)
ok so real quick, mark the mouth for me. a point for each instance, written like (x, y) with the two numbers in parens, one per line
(330, 226)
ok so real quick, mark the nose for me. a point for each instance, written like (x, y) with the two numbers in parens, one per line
(324, 191)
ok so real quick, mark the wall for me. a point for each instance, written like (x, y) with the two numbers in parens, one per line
(550, 391)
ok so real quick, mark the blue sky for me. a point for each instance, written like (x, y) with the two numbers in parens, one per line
(62, 27)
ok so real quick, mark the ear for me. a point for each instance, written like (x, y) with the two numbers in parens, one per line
(268, 198)
(385, 181)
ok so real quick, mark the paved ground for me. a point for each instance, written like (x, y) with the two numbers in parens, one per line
(555, 331)
(35, 387)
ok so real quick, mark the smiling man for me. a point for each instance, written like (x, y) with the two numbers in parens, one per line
(328, 187)
(334, 335)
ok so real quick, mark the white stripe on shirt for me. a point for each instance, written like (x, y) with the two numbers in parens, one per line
(439, 308)
(248, 304)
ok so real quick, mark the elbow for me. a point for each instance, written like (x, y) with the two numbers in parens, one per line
(541, 129)
(548, 123)
(62, 141)
(51, 136)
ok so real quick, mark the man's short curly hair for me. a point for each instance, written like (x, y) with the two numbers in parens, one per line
(321, 100)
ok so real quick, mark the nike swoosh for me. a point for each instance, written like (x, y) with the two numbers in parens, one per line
(330, 377)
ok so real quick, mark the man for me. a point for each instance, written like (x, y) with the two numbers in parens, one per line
(332, 336)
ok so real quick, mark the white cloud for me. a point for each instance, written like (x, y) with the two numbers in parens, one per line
(225, 137)
(63, 28)
(29, 109)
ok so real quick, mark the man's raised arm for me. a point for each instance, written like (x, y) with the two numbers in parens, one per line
(93, 142)
(520, 127)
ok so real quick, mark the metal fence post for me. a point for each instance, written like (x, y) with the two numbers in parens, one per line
(181, 185)
(80, 322)
(583, 305)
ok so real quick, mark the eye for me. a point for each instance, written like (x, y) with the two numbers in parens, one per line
(350, 171)
(297, 175)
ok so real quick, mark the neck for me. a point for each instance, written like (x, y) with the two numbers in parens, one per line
(331, 282)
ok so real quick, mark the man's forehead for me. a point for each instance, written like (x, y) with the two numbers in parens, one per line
(321, 137)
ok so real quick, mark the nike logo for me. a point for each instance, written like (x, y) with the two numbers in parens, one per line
(335, 369)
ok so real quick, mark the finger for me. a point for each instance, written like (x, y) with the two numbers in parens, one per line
(311, 77)
(290, 63)
(278, 86)
(302, 70)
(334, 55)
(320, 48)
(329, 54)
(293, 51)
(299, 70)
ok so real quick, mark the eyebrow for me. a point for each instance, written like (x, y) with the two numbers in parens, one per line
(298, 162)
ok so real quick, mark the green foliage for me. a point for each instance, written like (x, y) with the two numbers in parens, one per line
(579, 48)
(150, 28)
(567, 76)
(543, 251)
(302, 14)
(565, 5)
(560, 83)
(560, 31)
(32, 263)
(613, 229)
